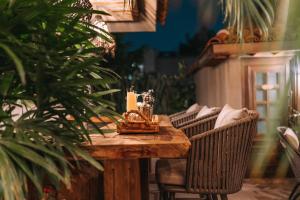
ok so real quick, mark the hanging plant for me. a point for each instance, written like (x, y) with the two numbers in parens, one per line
(249, 18)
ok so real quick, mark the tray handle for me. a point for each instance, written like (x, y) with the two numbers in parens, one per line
(147, 121)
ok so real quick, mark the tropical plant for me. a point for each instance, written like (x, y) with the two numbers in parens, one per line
(247, 15)
(48, 66)
(242, 17)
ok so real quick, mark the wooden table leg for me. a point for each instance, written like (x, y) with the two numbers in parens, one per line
(145, 168)
(122, 179)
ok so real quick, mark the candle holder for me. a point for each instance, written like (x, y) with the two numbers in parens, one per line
(137, 122)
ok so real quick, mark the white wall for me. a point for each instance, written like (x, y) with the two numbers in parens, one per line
(218, 85)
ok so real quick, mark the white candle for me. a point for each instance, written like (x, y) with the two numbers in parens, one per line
(131, 101)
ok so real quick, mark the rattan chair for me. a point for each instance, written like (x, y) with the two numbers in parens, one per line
(182, 113)
(216, 163)
(184, 118)
(199, 126)
(185, 122)
(294, 159)
(175, 115)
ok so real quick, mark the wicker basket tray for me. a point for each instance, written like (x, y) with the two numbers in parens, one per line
(142, 126)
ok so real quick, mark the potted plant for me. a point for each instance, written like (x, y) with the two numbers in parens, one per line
(47, 66)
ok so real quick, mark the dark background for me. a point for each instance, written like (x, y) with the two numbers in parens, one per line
(159, 60)
(185, 18)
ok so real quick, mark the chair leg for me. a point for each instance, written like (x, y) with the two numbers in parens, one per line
(203, 197)
(294, 190)
(224, 197)
(172, 196)
(165, 195)
(212, 197)
(161, 192)
(161, 197)
(296, 196)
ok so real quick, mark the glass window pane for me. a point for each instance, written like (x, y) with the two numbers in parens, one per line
(273, 78)
(273, 95)
(262, 110)
(261, 127)
(260, 95)
(260, 78)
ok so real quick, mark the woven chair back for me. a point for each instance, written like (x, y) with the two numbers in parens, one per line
(218, 158)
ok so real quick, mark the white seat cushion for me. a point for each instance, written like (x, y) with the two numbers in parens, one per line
(291, 138)
(229, 115)
(193, 108)
(171, 171)
(205, 111)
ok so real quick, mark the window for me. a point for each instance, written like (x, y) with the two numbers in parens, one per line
(266, 84)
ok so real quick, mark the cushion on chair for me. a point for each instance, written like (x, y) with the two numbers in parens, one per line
(193, 108)
(229, 115)
(205, 111)
(291, 138)
(171, 171)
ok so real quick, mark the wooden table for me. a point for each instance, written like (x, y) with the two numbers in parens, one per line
(126, 158)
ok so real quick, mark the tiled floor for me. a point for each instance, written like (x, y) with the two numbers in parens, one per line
(253, 189)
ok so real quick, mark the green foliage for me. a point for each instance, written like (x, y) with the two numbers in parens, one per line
(194, 45)
(292, 28)
(249, 14)
(172, 92)
(48, 66)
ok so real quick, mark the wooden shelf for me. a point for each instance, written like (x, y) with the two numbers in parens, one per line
(215, 54)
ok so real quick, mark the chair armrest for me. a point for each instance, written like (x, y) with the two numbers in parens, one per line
(240, 125)
(199, 127)
(184, 118)
(198, 119)
(176, 114)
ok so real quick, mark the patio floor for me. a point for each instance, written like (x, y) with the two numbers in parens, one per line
(253, 189)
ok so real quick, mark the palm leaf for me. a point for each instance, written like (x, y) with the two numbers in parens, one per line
(243, 15)
(49, 43)
(16, 60)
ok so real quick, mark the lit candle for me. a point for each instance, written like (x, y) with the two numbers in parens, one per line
(131, 101)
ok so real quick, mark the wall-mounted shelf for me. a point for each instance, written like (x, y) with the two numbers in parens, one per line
(215, 54)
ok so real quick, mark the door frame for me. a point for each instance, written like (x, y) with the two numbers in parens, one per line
(265, 63)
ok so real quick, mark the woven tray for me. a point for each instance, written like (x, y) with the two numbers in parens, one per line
(143, 126)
